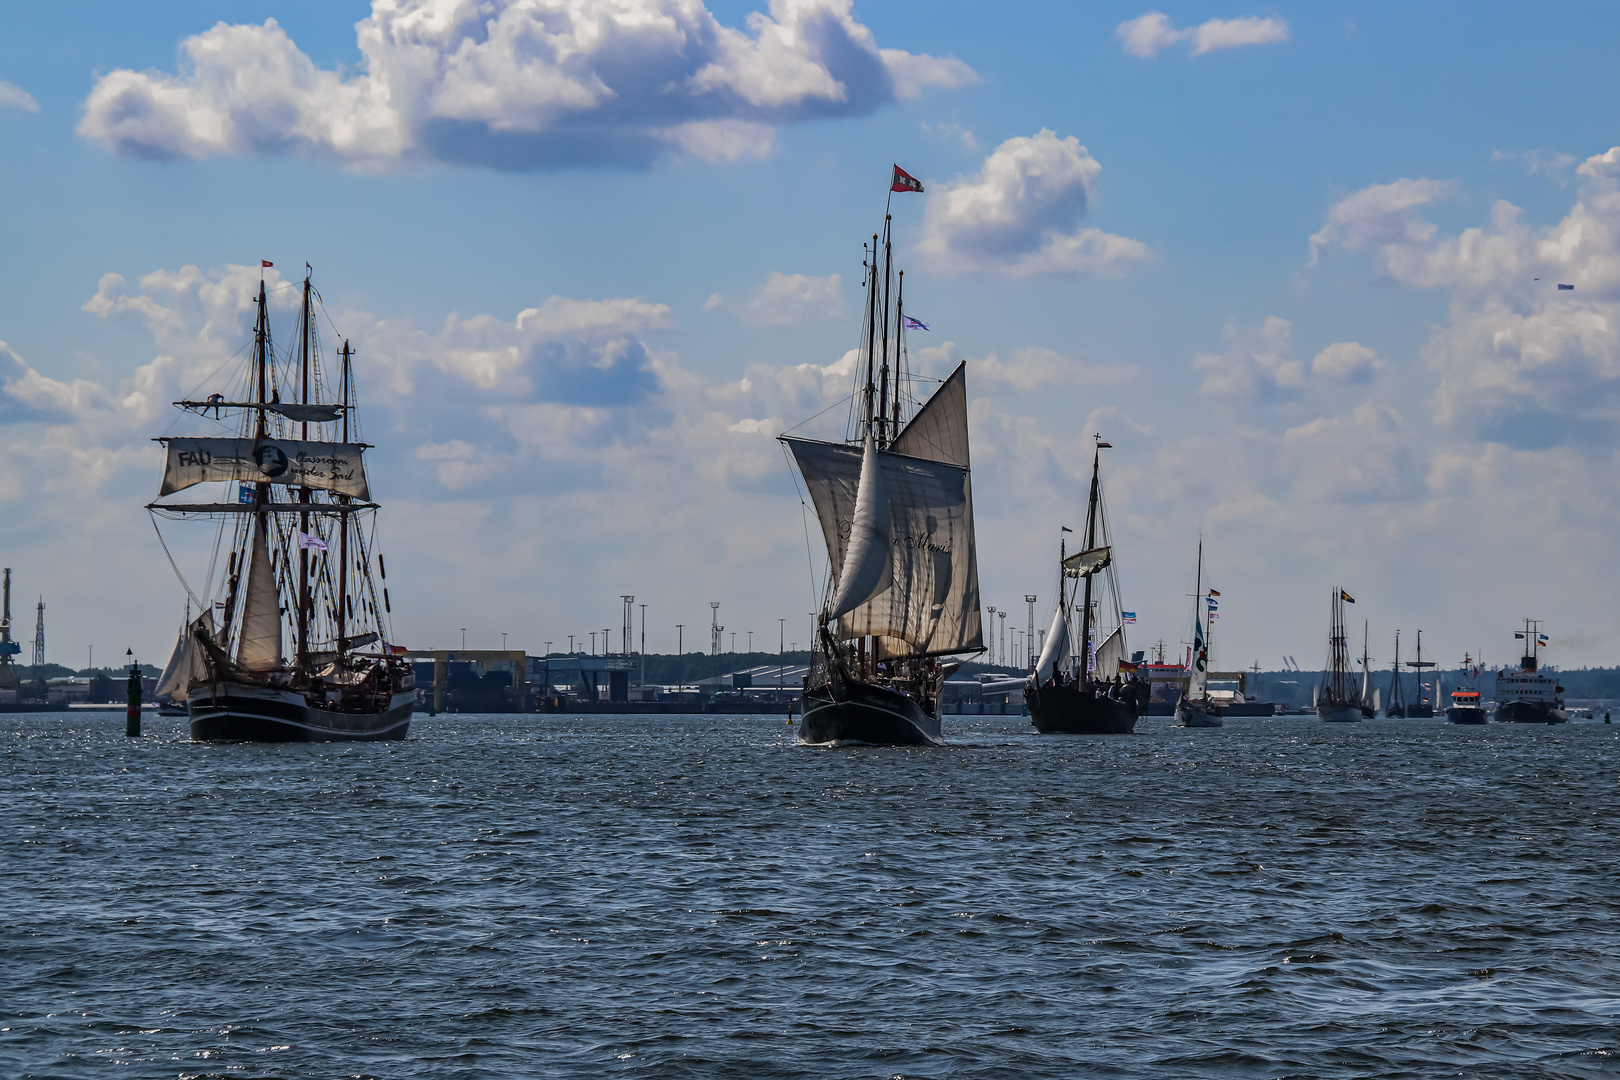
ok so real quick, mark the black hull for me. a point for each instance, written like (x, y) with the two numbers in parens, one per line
(236, 712)
(1465, 716)
(1070, 710)
(845, 710)
(1529, 712)
(1420, 712)
(1396, 713)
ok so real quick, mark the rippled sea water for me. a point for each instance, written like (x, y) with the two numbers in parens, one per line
(517, 896)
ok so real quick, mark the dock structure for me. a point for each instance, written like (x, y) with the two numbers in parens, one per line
(582, 676)
(516, 661)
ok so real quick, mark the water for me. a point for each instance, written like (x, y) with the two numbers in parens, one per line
(526, 896)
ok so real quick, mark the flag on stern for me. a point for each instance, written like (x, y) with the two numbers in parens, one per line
(904, 181)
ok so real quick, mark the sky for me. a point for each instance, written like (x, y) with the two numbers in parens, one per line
(1298, 264)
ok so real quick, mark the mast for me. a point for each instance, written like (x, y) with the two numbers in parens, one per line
(1198, 600)
(899, 333)
(871, 332)
(1091, 542)
(304, 493)
(883, 379)
(343, 521)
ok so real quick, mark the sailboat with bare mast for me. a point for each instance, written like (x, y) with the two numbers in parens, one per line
(289, 523)
(1085, 695)
(895, 504)
(1335, 701)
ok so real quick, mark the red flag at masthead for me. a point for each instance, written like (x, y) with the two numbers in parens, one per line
(904, 181)
(266, 262)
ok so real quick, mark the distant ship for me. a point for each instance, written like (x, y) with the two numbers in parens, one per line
(896, 511)
(1335, 702)
(1395, 703)
(1195, 707)
(1465, 703)
(1367, 700)
(172, 683)
(1527, 696)
(296, 560)
(1423, 707)
(1087, 696)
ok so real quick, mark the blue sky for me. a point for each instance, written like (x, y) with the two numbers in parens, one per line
(1398, 406)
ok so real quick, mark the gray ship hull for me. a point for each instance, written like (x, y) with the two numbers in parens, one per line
(1190, 714)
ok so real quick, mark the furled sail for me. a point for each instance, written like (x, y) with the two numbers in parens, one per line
(867, 568)
(1056, 649)
(1109, 655)
(324, 465)
(197, 659)
(1088, 562)
(260, 645)
(932, 604)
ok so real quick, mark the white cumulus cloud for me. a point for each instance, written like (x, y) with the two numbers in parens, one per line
(1019, 216)
(1148, 35)
(786, 299)
(516, 84)
(15, 97)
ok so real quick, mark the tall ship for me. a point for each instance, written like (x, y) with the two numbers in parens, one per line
(1335, 699)
(1395, 702)
(1528, 696)
(895, 504)
(1195, 707)
(1466, 707)
(1368, 698)
(1427, 692)
(294, 646)
(1087, 695)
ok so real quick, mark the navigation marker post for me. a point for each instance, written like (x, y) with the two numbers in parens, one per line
(132, 715)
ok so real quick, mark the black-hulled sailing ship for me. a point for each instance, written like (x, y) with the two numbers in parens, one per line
(1088, 694)
(1335, 700)
(1196, 708)
(1423, 707)
(895, 504)
(295, 558)
(1395, 703)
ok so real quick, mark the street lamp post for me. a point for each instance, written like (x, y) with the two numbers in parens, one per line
(992, 612)
(1003, 614)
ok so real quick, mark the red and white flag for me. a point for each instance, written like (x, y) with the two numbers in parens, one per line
(904, 181)
(266, 262)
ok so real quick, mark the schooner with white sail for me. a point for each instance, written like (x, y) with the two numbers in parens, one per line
(895, 504)
(298, 650)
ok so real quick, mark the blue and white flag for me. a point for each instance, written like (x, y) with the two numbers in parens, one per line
(1542, 638)
(1127, 616)
(915, 324)
(244, 493)
(307, 541)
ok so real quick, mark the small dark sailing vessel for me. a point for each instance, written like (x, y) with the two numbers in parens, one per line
(294, 491)
(1335, 701)
(1395, 704)
(1528, 696)
(895, 504)
(1423, 707)
(1466, 707)
(1368, 698)
(1196, 708)
(1087, 696)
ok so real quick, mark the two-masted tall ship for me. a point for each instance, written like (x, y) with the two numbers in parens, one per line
(1422, 708)
(1336, 700)
(1395, 701)
(1088, 694)
(294, 646)
(895, 504)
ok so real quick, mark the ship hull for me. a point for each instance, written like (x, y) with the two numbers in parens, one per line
(1465, 716)
(844, 710)
(1397, 713)
(242, 712)
(1070, 710)
(1339, 714)
(1420, 712)
(1529, 712)
(1189, 714)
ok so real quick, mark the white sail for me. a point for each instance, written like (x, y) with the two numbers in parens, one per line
(939, 431)
(1056, 649)
(1198, 673)
(932, 604)
(1109, 654)
(867, 568)
(171, 684)
(196, 658)
(260, 645)
(329, 466)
